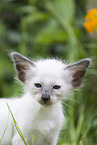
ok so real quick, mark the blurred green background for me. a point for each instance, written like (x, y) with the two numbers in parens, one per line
(53, 28)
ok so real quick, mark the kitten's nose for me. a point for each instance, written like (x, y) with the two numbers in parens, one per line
(45, 96)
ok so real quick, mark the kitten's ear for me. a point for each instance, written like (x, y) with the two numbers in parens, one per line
(22, 65)
(77, 71)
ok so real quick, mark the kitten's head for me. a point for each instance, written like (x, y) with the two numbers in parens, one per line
(49, 80)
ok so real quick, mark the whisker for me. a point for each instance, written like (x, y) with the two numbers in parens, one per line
(67, 105)
(71, 100)
(66, 114)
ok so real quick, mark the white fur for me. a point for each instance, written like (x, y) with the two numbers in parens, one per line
(43, 122)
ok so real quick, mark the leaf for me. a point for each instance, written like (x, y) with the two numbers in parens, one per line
(66, 8)
(34, 17)
(26, 9)
(51, 33)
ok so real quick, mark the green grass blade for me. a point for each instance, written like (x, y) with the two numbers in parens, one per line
(32, 139)
(4, 130)
(16, 126)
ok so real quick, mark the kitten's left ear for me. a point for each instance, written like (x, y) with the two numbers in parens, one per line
(22, 65)
(77, 71)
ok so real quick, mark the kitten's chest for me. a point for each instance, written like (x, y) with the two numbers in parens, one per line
(40, 138)
(43, 125)
(44, 121)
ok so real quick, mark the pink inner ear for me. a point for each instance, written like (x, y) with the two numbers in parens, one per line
(77, 77)
(21, 71)
(78, 70)
(22, 67)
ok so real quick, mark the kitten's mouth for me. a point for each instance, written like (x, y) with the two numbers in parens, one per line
(47, 103)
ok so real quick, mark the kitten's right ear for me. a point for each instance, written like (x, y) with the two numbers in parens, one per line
(22, 65)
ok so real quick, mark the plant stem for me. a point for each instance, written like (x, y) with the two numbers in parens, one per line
(65, 25)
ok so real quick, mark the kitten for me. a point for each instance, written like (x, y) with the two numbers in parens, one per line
(39, 111)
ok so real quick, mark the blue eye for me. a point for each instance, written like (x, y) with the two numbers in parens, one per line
(56, 87)
(38, 85)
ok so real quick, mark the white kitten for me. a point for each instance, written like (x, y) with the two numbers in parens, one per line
(39, 111)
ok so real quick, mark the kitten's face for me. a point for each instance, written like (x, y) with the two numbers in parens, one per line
(49, 80)
(46, 93)
(48, 89)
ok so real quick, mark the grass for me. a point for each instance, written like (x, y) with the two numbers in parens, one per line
(4, 130)
(17, 126)
(79, 123)
(74, 131)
